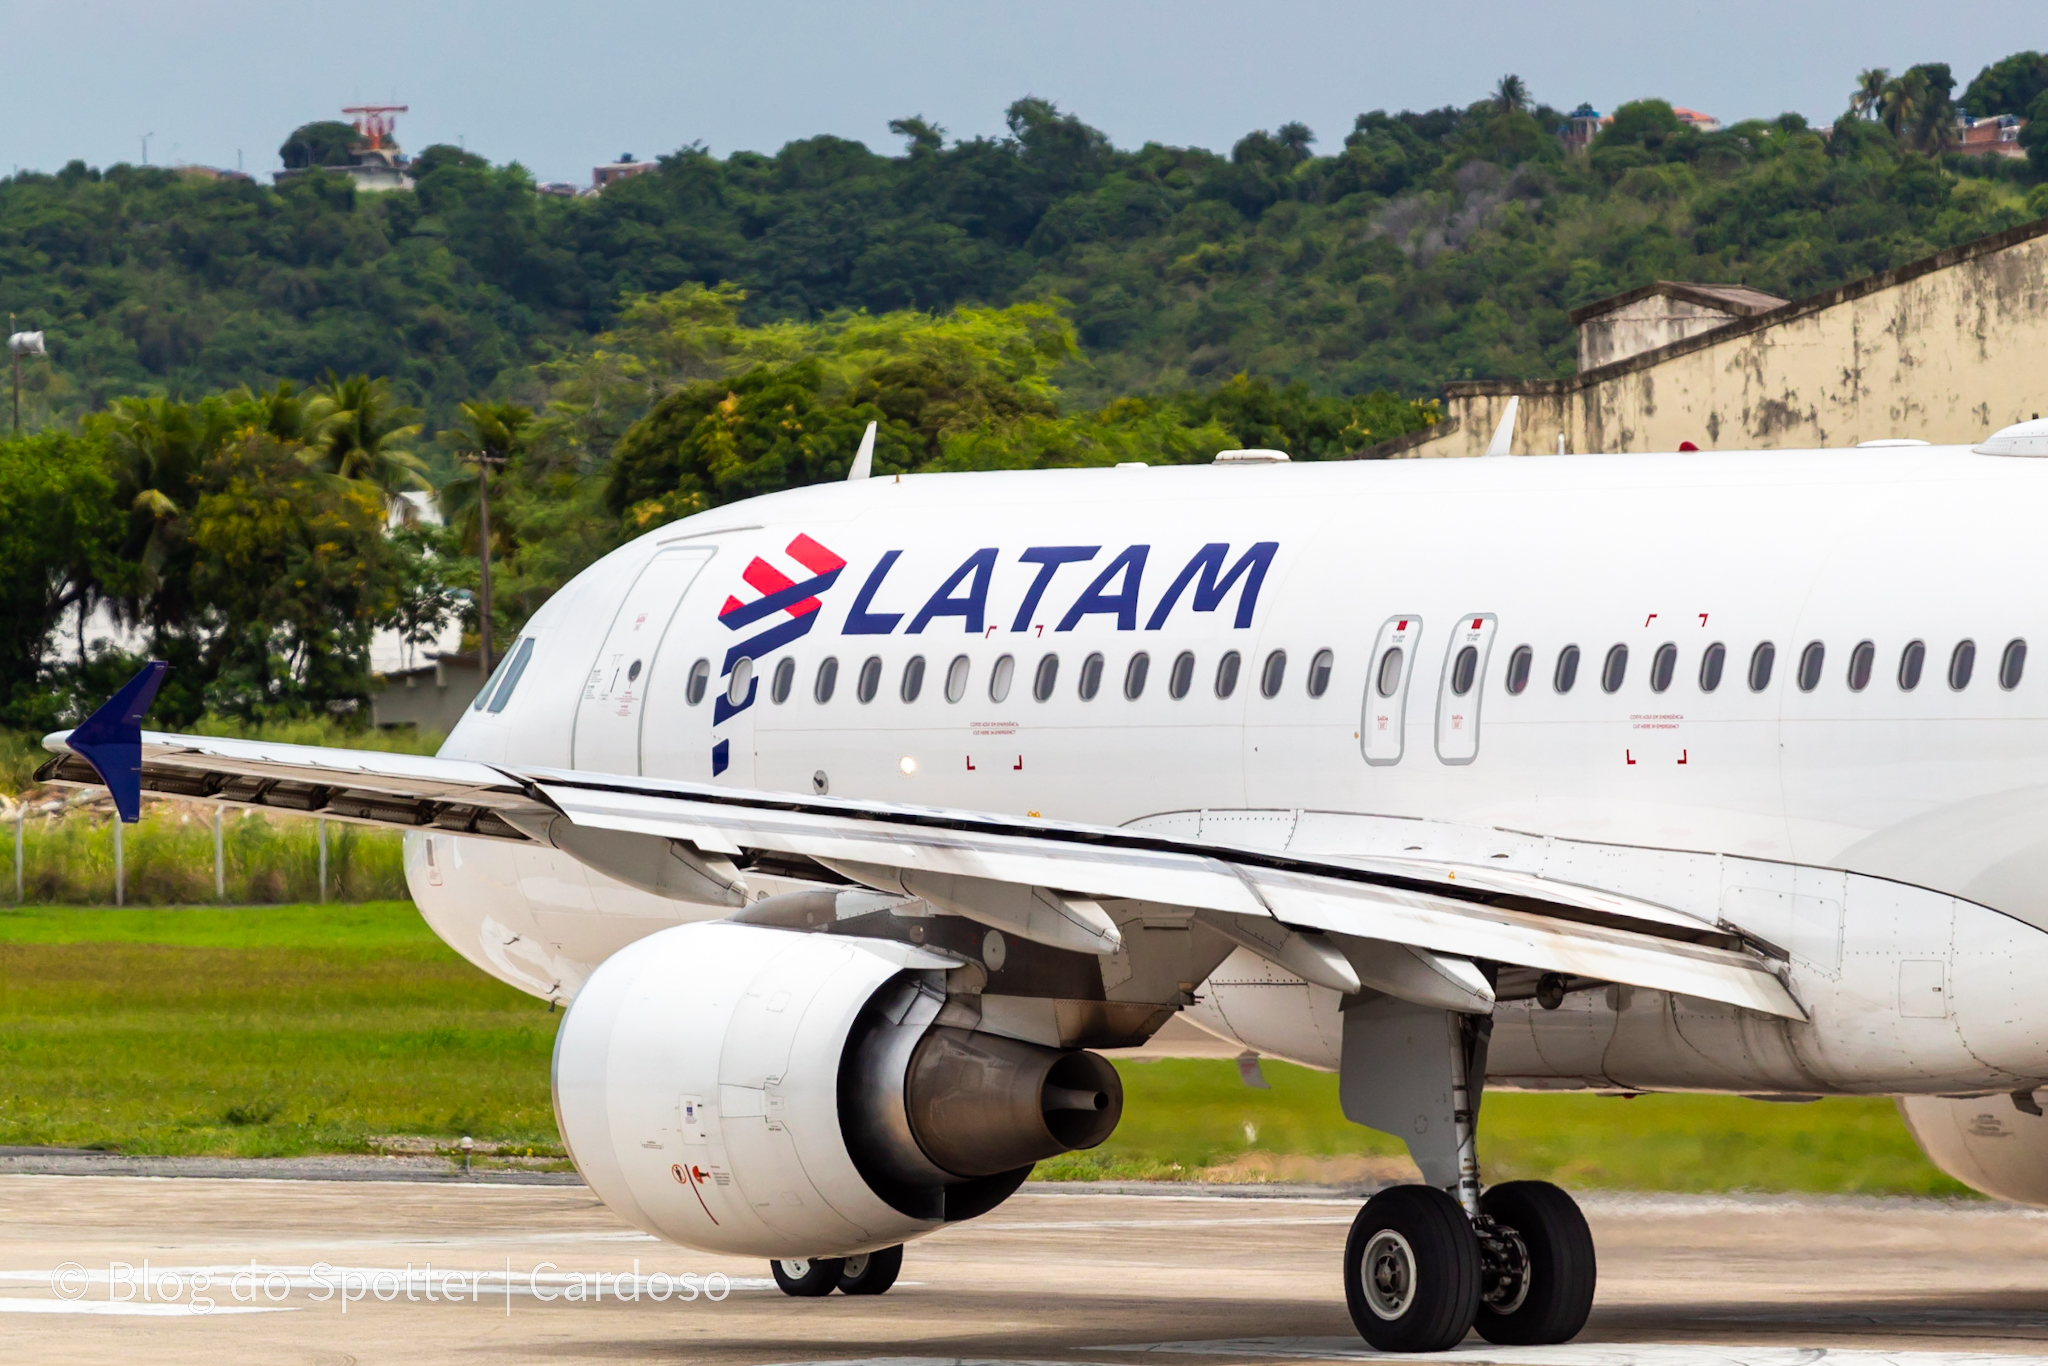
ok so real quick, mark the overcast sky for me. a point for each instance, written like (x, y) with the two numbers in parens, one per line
(562, 86)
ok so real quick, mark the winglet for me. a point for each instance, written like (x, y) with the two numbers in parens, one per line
(864, 458)
(1505, 432)
(111, 739)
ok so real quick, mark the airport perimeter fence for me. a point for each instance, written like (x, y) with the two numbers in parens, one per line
(65, 848)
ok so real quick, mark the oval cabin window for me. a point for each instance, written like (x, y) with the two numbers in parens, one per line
(1319, 672)
(1390, 672)
(1047, 677)
(913, 678)
(1183, 676)
(1760, 661)
(1567, 671)
(784, 681)
(1912, 660)
(1811, 661)
(1091, 677)
(956, 678)
(1962, 661)
(870, 681)
(1663, 667)
(1712, 663)
(1614, 670)
(2012, 664)
(1226, 673)
(1464, 669)
(700, 681)
(1274, 674)
(1862, 661)
(826, 681)
(999, 678)
(1134, 675)
(1518, 669)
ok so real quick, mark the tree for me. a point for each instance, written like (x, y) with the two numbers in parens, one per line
(327, 143)
(360, 434)
(59, 517)
(1867, 100)
(2009, 86)
(1510, 95)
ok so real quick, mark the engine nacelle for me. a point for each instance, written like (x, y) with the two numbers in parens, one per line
(1985, 1143)
(769, 1092)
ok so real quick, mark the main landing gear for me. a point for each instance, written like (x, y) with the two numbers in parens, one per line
(1423, 1266)
(868, 1273)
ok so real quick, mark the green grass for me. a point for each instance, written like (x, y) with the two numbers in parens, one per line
(261, 1032)
(1189, 1117)
(281, 1030)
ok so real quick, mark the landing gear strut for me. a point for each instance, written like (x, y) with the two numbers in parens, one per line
(1424, 1264)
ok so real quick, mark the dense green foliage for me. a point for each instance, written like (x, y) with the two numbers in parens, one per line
(724, 327)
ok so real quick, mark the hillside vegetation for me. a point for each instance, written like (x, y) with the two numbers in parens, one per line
(244, 378)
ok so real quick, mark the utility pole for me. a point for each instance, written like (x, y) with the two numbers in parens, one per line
(485, 461)
(21, 344)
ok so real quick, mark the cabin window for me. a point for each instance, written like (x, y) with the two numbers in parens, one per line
(1760, 661)
(1183, 676)
(1961, 661)
(784, 681)
(1134, 675)
(1567, 671)
(1811, 660)
(1047, 676)
(2012, 664)
(1274, 674)
(514, 668)
(1615, 669)
(1226, 673)
(913, 678)
(956, 678)
(1712, 663)
(1390, 672)
(999, 678)
(700, 680)
(870, 681)
(826, 681)
(1091, 677)
(1912, 660)
(1663, 666)
(1319, 672)
(1464, 669)
(1518, 669)
(1862, 660)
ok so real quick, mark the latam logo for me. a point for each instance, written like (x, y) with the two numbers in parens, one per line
(1116, 591)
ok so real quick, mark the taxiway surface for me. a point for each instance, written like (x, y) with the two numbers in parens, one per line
(1052, 1276)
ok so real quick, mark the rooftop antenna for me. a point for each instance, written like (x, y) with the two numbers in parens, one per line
(145, 145)
(374, 121)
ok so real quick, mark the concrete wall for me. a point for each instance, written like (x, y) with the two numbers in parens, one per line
(1947, 349)
(1645, 325)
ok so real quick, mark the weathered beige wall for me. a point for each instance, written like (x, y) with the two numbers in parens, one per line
(1947, 350)
(1644, 325)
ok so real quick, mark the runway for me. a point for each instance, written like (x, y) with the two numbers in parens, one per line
(334, 1272)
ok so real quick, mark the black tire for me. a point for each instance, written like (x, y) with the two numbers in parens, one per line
(1561, 1266)
(871, 1273)
(808, 1277)
(1420, 1292)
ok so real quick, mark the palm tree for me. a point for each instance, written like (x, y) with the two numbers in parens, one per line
(283, 409)
(497, 431)
(1867, 100)
(1902, 105)
(359, 433)
(1510, 94)
(160, 450)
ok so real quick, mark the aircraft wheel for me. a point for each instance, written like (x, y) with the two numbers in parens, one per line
(1411, 1270)
(1555, 1295)
(871, 1273)
(808, 1277)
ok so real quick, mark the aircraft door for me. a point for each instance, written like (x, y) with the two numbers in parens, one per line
(1386, 689)
(608, 715)
(1458, 695)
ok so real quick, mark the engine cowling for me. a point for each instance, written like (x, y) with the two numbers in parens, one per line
(1986, 1143)
(768, 1092)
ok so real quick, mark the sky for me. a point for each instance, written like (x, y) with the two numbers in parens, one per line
(561, 87)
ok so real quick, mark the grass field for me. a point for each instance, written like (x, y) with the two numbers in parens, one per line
(282, 1030)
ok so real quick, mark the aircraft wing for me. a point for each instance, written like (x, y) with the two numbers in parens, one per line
(1042, 880)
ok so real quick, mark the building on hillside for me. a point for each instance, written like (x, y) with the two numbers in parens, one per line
(1694, 119)
(563, 188)
(625, 166)
(375, 163)
(1946, 349)
(1997, 137)
(1658, 314)
(1580, 127)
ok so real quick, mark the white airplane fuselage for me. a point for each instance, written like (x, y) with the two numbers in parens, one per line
(1891, 841)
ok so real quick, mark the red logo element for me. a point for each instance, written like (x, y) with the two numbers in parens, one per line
(766, 579)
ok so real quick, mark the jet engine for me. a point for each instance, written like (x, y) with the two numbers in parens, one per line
(770, 1092)
(1986, 1142)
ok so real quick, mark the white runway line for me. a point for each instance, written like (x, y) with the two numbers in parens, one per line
(130, 1308)
(1577, 1354)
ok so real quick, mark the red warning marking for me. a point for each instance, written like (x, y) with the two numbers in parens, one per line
(1682, 755)
(1650, 618)
(1401, 626)
(989, 632)
(1018, 767)
(1703, 619)
(1478, 622)
(970, 763)
(1628, 755)
(692, 1180)
(1041, 628)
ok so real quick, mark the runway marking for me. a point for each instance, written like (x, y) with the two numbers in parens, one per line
(130, 1308)
(488, 1282)
(1576, 1354)
(1063, 1225)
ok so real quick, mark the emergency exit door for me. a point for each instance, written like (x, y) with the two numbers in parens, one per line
(608, 715)
(1386, 689)
(1463, 687)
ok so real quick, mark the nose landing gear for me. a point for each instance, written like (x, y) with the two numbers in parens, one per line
(1423, 1266)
